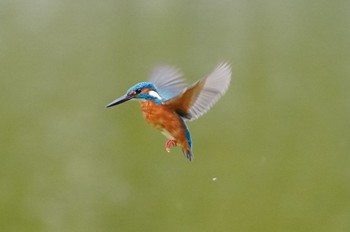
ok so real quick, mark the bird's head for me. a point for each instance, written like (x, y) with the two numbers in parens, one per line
(141, 91)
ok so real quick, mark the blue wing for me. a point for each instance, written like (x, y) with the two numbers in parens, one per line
(167, 81)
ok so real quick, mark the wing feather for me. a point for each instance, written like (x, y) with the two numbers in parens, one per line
(197, 99)
(168, 81)
(215, 85)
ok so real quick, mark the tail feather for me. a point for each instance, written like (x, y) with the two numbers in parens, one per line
(188, 154)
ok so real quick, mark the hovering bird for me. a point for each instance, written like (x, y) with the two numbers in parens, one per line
(167, 103)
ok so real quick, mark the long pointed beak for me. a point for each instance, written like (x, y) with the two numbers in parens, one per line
(119, 100)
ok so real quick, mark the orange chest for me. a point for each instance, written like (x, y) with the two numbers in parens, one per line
(165, 120)
(159, 116)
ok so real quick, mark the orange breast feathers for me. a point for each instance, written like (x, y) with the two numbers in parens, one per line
(165, 120)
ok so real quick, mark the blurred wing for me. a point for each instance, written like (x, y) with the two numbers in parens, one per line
(215, 85)
(201, 96)
(168, 81)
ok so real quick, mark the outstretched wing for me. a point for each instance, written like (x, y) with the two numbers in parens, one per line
(197, 99)
(168, 81)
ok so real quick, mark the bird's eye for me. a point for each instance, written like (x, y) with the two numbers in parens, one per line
(137, 91)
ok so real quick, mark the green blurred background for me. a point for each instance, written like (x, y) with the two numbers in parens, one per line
(277, 143)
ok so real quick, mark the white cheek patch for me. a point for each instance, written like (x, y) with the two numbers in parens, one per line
(154, 94)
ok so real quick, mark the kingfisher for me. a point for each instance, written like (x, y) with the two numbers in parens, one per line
(167, 104)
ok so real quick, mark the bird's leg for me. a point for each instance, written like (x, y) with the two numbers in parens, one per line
(170, 143)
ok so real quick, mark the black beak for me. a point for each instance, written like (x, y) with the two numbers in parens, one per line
(119, 100)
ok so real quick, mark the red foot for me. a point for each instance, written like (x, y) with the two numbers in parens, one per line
(170, 143)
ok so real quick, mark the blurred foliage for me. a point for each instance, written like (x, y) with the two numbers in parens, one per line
(277, 142)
